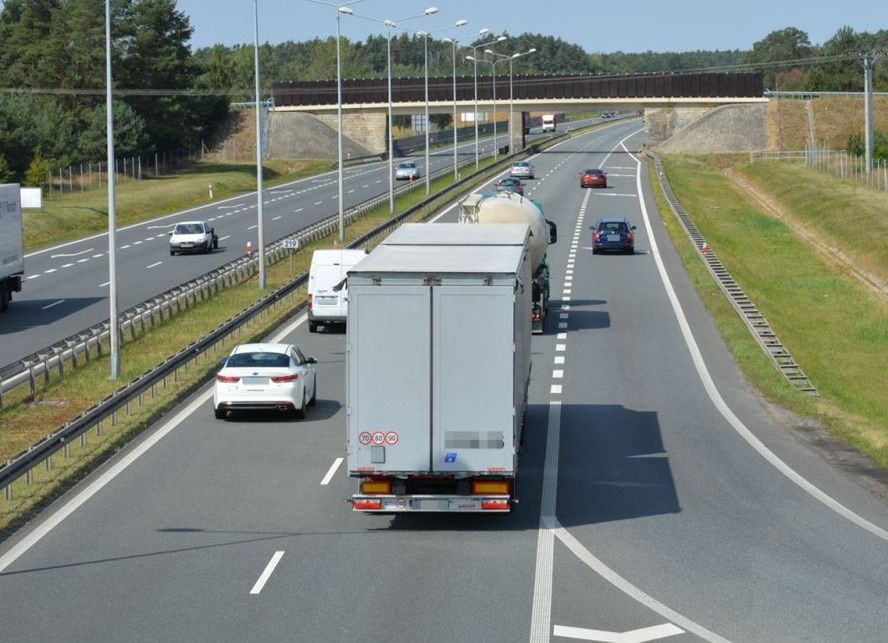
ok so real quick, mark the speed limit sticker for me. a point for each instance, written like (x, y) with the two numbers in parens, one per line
(364, 438)
(378, 437)
(392, 438)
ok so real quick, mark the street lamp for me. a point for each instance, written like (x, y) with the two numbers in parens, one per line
(454, 42)
(482, 32)
(392, 24)
(425, 35)
(343, 9)
(511, 101)
(260, 241)
(112, 217)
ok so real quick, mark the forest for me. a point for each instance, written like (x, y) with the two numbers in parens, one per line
(168, 97)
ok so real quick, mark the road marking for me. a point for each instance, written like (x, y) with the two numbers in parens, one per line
(253, 227)
(124, 247)
(560, 347)
(563, 315)
(719, 402)
(98, 256)
(136, 243)
(83, 260)
(331, 472)
(615, 194)
(555, 389)
(557, 374)
(32, 277)
(642, 635)
(107, 283)
(227, 236)
(298, 210)
(275, 218)
(73, 254)
(55, 303)
(154, 265)
(318, 202)
(67, 265)
(267, 572)
(50, 271)
(559, 359)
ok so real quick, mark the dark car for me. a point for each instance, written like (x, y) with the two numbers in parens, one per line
(510, 184)
(613, 234)
(593, 178)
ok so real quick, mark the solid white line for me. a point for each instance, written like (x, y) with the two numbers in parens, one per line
(267, 572)
(628, 588)
(154, 265)
(331, 472)
(718, 400)
(641, 635)
(55, 303)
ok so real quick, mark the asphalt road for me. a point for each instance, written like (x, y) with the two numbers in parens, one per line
(643, 507)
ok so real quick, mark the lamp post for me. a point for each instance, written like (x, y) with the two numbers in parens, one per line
(511, 98)
(342, 9)
(425, 35)
(392, 24)
(454, 42)
(112, 218)
(474, 58)
(260, 241)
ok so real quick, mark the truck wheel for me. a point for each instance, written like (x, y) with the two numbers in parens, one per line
(312, 326)
(4, 297)
(172, 252)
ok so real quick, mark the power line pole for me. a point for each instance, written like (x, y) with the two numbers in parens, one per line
(868, 60)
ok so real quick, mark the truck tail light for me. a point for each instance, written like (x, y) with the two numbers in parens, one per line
(310, 297)
(484, 487)
(282, 379)
(495, 505)
(227, 379)
(376, 486)
(364, 504)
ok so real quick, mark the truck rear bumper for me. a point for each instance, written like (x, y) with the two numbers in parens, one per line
(431, 504)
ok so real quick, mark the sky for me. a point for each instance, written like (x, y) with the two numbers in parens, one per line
(596, 25)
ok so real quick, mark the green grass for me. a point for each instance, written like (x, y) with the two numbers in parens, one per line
(76, 214)
(835, 328)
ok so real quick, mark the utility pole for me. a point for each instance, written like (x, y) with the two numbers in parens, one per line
(868, 60)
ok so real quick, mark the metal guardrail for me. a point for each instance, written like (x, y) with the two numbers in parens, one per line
(42, 452)
(36, 369)
(753, 318)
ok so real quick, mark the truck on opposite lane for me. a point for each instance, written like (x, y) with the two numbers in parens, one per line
(438, 361)
(12, 243)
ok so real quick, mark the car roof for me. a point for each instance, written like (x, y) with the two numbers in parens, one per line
(261, 348)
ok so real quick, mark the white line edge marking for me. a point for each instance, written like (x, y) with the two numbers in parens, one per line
(117, 468)
(331, 472)
(719, 402)
(267, 572)
(653, 633)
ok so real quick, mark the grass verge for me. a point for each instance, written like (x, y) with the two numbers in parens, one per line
(834, 327)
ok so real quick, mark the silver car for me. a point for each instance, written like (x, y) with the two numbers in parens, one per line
(522, 170)
(406, 171)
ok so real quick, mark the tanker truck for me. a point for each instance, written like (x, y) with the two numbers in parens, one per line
(508, 207)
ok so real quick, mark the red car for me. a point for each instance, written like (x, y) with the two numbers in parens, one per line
(593, 178)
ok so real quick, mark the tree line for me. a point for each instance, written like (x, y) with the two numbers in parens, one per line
(52, 53)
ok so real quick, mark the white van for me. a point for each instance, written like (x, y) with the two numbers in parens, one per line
(327, 290)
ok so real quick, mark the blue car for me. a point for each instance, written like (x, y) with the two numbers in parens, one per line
(613, 234)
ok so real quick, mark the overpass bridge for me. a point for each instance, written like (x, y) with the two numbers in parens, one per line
(669, 100)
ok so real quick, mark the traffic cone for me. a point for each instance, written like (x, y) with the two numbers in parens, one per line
(250, 248)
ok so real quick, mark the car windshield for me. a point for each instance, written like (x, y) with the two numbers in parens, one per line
(613, 226)
(406, 166)
(259, 360)
(521, 164)
(593, 171)
(189, 228)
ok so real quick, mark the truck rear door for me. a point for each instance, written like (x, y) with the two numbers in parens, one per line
(389, 374)
(472, 403)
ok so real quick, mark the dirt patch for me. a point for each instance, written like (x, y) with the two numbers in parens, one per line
(833, 255)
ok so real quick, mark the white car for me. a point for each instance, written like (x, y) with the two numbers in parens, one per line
(193, 236)
(259, 377)
(521, 170)
(407, 171)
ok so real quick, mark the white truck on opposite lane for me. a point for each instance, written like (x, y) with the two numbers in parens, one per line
(12, 244)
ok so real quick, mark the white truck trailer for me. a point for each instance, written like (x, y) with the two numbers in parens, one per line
(438, 359)
(12, 245)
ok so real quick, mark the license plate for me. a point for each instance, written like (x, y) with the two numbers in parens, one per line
(255, 381)
(432, 504)
(613, 237)
(326, 301)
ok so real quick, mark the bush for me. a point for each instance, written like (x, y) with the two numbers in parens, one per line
(6, 173)
(857, 146)
(38, 172)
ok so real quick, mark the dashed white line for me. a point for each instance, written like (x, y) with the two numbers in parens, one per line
(559, 359)
(253, 227)
(227, 236)
(555, 389)
(331, 472)
(154, 265)
(267, 572)
(55, 303)
(558, 374)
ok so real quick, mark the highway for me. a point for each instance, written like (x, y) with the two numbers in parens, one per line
(661, 497)
(65, 289)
